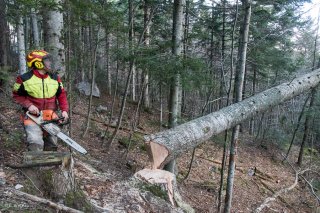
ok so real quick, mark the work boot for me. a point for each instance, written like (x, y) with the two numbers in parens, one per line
(35, 147)
(53, 148)
(50, 144)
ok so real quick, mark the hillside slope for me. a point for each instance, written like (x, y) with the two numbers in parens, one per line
(105, 176)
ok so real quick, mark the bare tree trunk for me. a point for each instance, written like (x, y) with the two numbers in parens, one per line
(307, 125)
(54, 42)
(93, 65)
(238, 88)
(135, 118)
(123, 102)
(27, 32)
(297, 127)
(131, 49)
(4, 35)
(222, 79)
(35, 29)
(113, 100)
(83, 31)
(252, 120)
(177, 36)
(70, 35)
(312, 100)
(225, 146)
(21, 47)
(147, 10)
(108, 70)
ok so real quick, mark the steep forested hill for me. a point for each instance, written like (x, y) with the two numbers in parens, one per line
(105, 177)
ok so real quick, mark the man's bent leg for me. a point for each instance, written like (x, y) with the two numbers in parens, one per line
(34, 137)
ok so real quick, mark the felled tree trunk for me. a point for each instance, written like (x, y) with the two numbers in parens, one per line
(169, 144)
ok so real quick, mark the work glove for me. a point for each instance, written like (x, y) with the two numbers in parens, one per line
(33, 110)
(65, 115)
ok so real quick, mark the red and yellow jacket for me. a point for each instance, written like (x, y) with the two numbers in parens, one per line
(43, 91)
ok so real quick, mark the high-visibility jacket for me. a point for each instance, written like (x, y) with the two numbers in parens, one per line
(43, 91)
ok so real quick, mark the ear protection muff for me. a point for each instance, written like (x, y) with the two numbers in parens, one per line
(38, 65)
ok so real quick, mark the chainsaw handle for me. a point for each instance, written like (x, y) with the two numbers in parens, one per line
(39, 121)
(56, 120)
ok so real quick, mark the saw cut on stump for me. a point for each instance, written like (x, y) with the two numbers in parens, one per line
(166, 180)
(169, 144)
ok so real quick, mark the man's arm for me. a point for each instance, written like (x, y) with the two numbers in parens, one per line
(62, 99)
(20, 94)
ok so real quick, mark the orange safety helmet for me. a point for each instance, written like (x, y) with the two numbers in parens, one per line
(36, 57)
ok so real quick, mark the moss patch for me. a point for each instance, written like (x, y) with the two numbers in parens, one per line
(77, 200)
(156, 190)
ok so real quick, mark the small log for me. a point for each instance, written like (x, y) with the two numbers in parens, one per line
(262, 175)
(41, 159)
(44, 157)
(22, 166)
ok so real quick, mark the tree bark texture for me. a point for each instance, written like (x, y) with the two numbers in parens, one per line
(54, 35)
(169, 144)
(238, 90)
(307, 125)
(177, 36)
(175, 88)
(147, 12)
(131, 47)
(4, 36)
(21, 46)
(35, 29)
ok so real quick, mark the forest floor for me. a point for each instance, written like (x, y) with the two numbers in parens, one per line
(260, 170)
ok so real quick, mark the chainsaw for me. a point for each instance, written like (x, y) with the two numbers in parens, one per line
(54, 130)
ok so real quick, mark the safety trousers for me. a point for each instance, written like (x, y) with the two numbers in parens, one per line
(37, 138)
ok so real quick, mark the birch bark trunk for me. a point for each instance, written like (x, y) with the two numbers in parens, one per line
(147, 10)
(169, 144)
(131, 47)
(21, 47)
(177, 35)
(54, 35)
(35, 29)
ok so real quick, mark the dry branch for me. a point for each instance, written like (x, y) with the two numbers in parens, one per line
(309, 184)
(171, 143)
(58, 207)
(267, 201)
(311, 188)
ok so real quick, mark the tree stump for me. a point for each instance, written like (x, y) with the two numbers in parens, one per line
(54, 177)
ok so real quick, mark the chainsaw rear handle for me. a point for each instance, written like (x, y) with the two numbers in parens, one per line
(56, 120)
